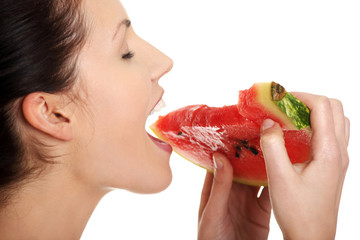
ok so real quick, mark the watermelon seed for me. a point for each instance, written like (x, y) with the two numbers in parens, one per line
(243, 142)
(254, 151)
(179, 133)
(237, 155)
(246, 146)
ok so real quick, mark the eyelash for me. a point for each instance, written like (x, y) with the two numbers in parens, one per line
(128, 55)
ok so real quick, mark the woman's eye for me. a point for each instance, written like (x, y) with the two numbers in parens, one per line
(128, 55)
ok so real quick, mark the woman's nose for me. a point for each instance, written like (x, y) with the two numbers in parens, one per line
(158, 63)
(161, 65)
(164, 66)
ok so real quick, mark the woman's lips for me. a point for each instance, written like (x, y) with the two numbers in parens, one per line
(161, 144)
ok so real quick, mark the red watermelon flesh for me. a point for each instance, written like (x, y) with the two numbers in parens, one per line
(197, 131)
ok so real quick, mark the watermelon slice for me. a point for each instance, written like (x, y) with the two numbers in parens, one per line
(197, 131)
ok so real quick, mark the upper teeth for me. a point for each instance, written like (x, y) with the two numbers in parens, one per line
(159, 106)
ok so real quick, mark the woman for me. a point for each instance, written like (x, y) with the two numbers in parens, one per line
(76, 87)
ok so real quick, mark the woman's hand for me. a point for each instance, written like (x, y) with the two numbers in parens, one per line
(305, 197)
(231, 210)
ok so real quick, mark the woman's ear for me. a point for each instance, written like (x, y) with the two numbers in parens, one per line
(42, 111)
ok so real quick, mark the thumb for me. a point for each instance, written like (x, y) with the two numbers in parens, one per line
(278, 165)
(222, 182)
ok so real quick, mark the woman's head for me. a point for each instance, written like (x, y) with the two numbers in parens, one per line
(39, 43)
(54, 54)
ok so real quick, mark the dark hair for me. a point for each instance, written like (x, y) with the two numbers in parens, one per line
(39, 44)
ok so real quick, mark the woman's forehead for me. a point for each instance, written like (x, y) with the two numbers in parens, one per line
(104, 16)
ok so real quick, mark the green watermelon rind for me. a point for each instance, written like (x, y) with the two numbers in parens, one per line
(279, 105)
(295, 110)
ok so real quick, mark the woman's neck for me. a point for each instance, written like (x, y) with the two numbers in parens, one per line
(56, 207)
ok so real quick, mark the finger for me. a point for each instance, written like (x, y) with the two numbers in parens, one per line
(324, 142)
(339, 120)
(343, 170)
(347, 138)
(278, 165)
(221, 186)
(340, 130)
(347, 131)
(205, 193)
(264, 200)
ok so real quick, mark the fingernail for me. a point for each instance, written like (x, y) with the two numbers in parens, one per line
(268, 123)
(218, 164)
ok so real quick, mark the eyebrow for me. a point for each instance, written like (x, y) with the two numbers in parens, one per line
(125, 22)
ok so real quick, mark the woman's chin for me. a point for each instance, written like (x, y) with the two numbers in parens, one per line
(155, 185)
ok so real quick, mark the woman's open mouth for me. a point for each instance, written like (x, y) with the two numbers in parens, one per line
(160, 143)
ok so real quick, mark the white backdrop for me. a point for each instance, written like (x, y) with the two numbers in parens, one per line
(218, 48)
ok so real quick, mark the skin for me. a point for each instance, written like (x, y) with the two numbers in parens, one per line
(102, 145)
(304, 197)
(100, 142)
(315, 186)
(231, 210)
(121, 94)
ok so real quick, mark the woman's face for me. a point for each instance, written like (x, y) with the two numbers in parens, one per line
(120, 73)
